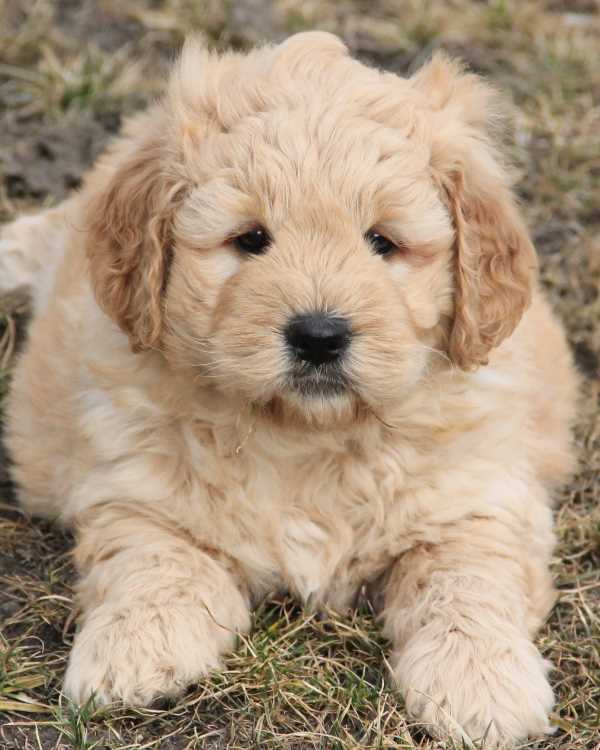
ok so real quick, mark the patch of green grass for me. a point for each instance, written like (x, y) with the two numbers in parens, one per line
(18, 677)
(73, 723)
(297, 21)
(499, 15)
(422, 32)
(89, 81)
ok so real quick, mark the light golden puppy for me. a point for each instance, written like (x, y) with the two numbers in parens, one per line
(288, 336)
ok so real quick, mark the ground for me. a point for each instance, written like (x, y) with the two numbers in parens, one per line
(69, 71)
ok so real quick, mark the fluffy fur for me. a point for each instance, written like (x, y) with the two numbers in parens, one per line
(153, 410)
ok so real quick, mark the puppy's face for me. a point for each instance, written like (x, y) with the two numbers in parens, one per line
(311, 262)
(304, 236)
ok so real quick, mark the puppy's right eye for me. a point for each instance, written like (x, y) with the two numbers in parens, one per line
(254, 242)
(380, 243)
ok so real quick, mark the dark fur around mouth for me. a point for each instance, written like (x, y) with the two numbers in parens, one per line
(323, 381)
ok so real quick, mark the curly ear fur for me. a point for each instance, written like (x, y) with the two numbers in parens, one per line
(129, 219)
(494, 271)
(495, 262)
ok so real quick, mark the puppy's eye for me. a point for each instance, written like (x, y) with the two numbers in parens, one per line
(380, 244)
(254, 242)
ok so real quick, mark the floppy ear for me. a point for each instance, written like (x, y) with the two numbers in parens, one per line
(129, 211)
(495, 262)
(132, 197)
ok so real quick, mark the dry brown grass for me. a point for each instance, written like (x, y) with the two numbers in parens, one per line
(68, 71)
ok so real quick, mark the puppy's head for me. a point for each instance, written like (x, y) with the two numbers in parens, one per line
(309, 234)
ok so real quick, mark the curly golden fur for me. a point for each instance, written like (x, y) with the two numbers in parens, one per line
(161, 410)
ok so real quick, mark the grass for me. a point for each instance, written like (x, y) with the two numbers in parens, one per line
(68, 71)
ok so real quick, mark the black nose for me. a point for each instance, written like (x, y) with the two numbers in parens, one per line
(318, 338)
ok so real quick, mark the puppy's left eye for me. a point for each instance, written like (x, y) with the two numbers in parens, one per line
(254, 242)
(380, 244)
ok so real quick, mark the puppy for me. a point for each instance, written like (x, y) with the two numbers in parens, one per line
(288, 335)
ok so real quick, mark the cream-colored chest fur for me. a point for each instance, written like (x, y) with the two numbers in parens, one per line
(308, 515)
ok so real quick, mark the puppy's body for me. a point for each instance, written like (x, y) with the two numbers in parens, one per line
(199, 479)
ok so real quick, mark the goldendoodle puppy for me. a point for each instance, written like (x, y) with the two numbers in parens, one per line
(288, 335)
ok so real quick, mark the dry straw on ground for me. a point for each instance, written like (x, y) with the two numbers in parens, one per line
(68, 71)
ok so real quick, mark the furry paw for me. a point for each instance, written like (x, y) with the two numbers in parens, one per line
(139, 655)
(457, 685)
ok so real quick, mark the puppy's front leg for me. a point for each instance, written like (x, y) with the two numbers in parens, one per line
(458, 614)
(157, 610)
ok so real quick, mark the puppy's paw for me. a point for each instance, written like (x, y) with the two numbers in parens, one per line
(139, 655)
(456, 685)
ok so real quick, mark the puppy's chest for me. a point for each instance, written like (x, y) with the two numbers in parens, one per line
(318, 519)
(328, 526)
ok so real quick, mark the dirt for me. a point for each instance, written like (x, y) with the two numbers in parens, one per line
(45, 161)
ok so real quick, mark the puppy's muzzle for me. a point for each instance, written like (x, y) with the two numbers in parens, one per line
(317, 339)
